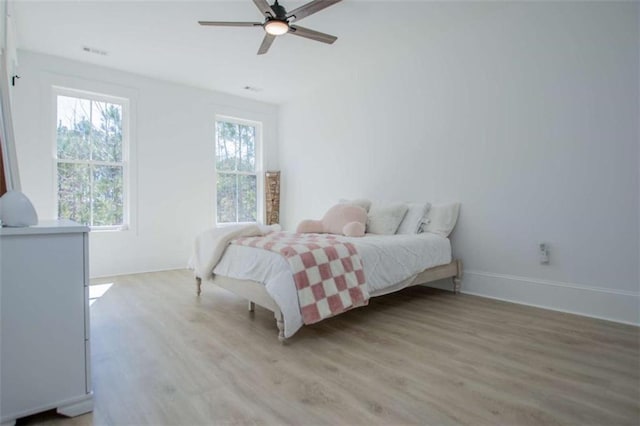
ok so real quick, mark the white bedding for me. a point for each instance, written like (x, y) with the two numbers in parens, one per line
(390, 262)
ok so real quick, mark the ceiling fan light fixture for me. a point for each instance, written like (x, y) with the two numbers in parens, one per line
(276, 27)
(277, 22)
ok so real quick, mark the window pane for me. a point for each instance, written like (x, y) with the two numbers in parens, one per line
(227, 141)
(108, 205)
(247, 148)
(74, 196)
(106, 132)
(247, 198)
(73, 128)
(89, 131)
(227, 189)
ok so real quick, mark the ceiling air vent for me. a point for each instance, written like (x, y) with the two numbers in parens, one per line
(94, 51)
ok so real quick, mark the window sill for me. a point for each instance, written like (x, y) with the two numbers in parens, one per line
(117, 228)
(222, 225)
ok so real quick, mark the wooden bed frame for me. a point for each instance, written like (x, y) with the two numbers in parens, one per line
(256, 292)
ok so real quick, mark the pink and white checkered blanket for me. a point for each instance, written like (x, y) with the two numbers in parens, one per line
(327, 272)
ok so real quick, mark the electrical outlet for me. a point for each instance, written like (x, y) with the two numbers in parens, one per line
(544, 253)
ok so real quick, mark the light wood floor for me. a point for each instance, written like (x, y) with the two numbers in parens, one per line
(161, 355)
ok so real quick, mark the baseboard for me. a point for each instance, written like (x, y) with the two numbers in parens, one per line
(99, 277)
(596, 302)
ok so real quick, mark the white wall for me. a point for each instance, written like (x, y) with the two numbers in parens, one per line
(3, 24)
(526, 113)
(173, 136)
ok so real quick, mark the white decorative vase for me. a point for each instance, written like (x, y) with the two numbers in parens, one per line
(16, 210)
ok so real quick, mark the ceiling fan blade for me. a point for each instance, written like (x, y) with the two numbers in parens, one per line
(264, 8)
(230, 24)
(309, 9)
(266, 43)
(313, 35)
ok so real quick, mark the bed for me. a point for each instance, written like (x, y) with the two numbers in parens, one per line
(390, 263)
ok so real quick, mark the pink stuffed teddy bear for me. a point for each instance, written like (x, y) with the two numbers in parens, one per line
(346, 219)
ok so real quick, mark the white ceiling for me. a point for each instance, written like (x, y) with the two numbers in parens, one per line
(162, 39)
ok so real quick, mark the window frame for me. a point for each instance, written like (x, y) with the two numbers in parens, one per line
(258, 125)
(123, 102)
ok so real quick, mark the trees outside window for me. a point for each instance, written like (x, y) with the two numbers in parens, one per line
(91, 155)
(237, 166)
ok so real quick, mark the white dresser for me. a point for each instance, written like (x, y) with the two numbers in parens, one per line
(44, 320)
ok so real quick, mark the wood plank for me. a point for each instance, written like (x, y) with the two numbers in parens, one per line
(162, 355)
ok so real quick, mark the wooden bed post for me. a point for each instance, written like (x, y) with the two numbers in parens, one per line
(198, 285)
(280, 324)
(457, 279)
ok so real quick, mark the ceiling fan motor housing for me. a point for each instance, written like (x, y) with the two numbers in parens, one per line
(280, 11)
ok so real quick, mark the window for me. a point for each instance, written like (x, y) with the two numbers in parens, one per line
(237, 171)
(91, 159)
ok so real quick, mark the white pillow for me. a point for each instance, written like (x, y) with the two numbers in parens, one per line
(385, 219)
(413, 219)
(361, 202)
(442, 218)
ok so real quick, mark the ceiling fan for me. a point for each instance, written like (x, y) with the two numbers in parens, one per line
(278, 22)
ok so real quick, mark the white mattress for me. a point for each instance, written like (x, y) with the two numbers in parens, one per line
(390, 262)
